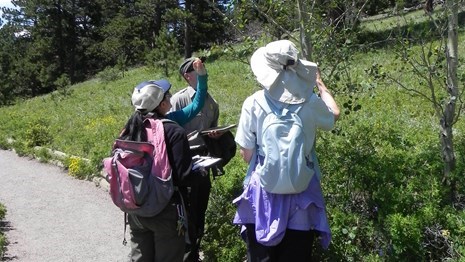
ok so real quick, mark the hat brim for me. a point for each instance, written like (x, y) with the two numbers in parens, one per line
(265, 75)
(292, 86)
(186, 65)
(147, 96)
(164, 84)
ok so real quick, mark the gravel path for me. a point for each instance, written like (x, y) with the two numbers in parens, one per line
(53, 217)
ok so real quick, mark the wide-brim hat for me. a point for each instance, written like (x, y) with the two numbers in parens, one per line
(149, 94)
(279, 70)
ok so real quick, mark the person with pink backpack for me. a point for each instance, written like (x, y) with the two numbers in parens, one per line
(159, 237)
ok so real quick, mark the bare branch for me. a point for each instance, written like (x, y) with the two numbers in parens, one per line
(410, 90)
(271, 20)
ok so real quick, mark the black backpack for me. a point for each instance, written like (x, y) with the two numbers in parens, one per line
(223, 147)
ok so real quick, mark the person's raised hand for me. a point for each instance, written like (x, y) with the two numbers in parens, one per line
(199, 67)
(318, 76)
(319, 82)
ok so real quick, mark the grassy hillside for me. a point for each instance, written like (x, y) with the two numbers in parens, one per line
(84, 119)
(384, 22)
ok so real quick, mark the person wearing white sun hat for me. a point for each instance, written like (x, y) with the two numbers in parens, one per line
(282, 227)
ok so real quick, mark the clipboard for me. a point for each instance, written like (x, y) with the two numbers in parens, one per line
(218, 128)
(204, 161)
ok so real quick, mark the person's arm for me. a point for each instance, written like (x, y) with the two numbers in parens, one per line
(179, 154)
(186, 114)
(246, 129)
(246, 154)
(326, 96)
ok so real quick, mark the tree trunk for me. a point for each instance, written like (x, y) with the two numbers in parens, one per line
(157, 24)
(187, 32)
(305, 40)
(60, 37)
(447, 121)
(73, 59)
(429, 6)
(351, 17)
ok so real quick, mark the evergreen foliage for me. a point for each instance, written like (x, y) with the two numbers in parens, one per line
(44, 40)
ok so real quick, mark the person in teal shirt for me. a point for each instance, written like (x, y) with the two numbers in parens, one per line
(186, 114)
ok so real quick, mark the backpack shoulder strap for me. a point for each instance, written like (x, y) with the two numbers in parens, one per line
(299, 106)
(155, 126)
(152, 126)
(262, 101)
(166, 120)
(156, 136)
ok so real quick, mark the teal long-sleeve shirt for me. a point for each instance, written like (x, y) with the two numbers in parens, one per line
(187, 113)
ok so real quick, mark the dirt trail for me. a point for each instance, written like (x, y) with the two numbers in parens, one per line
(53, 217)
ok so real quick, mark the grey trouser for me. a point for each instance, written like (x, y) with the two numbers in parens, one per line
(156, 238)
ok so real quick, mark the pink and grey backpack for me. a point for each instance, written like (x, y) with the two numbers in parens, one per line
(139, 173)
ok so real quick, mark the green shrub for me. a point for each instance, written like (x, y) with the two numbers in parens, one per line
(164, 56)
(63, 84)
(43, 154)
(109, 74)
(405, 234)
(21, 148)
(2, 211)
(37, 133)
(3, 241)
(382, 181)
(353, 238)
(222, 241)
(78, 167)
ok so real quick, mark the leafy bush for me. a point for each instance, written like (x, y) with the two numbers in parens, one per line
(405, 235)
(222, 241)
(78, 167)
(3, 241)
(43, 154)
(38, 134)
(452, 233)
(63, 83)
(382, 180)
(109, 74)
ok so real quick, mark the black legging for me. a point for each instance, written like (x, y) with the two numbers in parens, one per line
(198, 198)
(296, 246)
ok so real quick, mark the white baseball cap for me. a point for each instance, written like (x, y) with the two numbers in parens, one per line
(149, 94)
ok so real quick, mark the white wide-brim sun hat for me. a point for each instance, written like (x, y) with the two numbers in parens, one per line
(279, 70)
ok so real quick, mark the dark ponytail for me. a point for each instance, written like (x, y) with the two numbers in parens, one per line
(134, 129)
